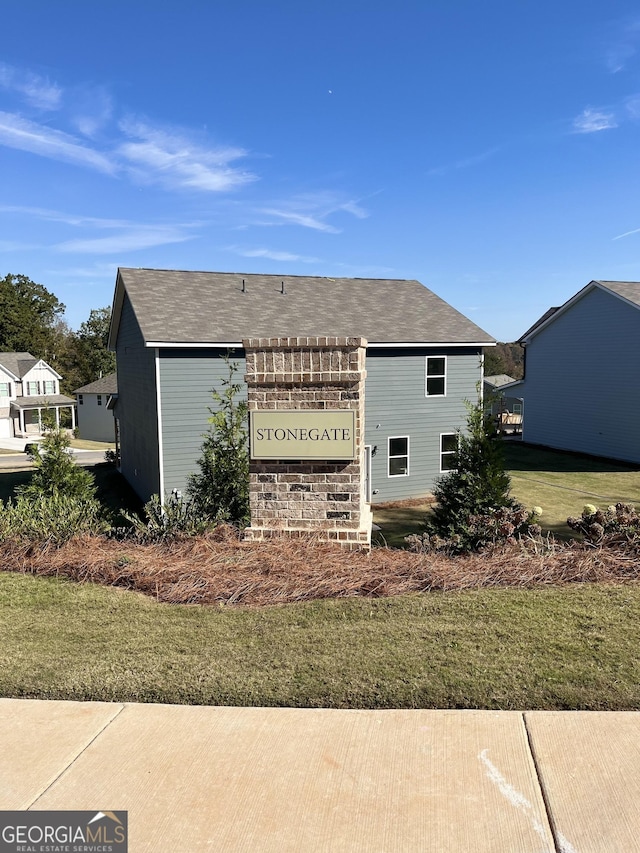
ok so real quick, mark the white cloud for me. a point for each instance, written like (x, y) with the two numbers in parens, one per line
(273, 255)
(25, 135)
(176, 162)
(312, 210)
(627, 234)
(36, 90)
(304, 219)
(132, 239)
(623, 45)
(591, 121)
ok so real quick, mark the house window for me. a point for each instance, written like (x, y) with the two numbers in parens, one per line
(4, 389)
(80, 400)
(33, 389)
(49, 387)
(399, 456)
(448, 449)
(436, 376)
(517, 408)
(99, 399)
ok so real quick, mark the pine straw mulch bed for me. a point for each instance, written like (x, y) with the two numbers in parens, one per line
(218, 568)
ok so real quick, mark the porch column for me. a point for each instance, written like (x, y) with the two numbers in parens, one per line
(21, 420)
(73, 417)
(58, 417)
(40, 421)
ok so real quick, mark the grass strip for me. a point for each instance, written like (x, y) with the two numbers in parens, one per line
(572, 647)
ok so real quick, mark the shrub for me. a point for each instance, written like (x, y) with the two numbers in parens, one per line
(55, 471)
(220, 491)
(620, 522)
(174, 519)
(505, 525)
(477, 487)
(50, 518)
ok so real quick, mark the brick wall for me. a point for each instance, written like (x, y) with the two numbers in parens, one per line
(295, 498)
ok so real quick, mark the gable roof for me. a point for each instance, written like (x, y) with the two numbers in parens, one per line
(176, 308)
(105, 385)
(20, 363)
(17, 363)
(628, 291)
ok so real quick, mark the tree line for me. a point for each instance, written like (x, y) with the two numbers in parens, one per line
(32, 320)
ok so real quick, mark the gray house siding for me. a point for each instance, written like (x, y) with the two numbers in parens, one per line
(136, 408)
(396, 406)
(187, 378)
(579, 370)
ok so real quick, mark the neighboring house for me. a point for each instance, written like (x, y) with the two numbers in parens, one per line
(171, 331)
(95, 409)
(582, 362)
(29, 387)
(506, 409)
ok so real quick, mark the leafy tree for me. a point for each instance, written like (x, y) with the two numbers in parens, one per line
(28, 317)
(84, 356)
(504, 358)
(220, 491)
(479, 485)
(55, 471)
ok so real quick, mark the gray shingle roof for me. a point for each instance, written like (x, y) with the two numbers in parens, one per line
(499, 379)
(629, 290)
(107, 385)
(42, 402)
(209, 307)
(19, 363)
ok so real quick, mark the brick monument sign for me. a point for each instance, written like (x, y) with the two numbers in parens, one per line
(306, 423)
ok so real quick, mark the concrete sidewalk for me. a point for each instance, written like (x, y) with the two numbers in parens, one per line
(283, 779)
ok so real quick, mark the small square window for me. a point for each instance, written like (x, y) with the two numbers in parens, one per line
(448, 450)
(33, 389)
(49, 387)
(80, 400)
(436, 380)
(399, 456)
(517, 408)
(4, 389)
(99, 399)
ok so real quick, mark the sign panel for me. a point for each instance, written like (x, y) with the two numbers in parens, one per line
(303, 434)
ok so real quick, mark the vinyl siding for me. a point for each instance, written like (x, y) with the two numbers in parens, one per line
(187, 378)
(396, 405)
(95, 423)
(581, 385)
(136, 407)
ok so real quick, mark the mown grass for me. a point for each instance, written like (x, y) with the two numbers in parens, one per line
(560, 483)
(549, 648)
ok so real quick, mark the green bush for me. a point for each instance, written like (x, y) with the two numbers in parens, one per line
(55, 472)
(51, 518)
(174, 519)
(477, 487)
(220, 491)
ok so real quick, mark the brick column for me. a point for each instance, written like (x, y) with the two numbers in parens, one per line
(291, 497)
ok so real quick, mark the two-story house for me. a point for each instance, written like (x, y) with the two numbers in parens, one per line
(29, 388)
(172, 329)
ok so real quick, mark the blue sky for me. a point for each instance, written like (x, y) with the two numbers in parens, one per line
(490, 150)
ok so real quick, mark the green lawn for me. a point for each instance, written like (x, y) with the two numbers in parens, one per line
(560, 483)
(569, 647)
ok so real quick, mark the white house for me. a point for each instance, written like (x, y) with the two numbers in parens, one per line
(95, 411)
(29, 387)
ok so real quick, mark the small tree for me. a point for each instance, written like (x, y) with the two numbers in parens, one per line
(55, 471)
(220, 491)
(479, 485)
